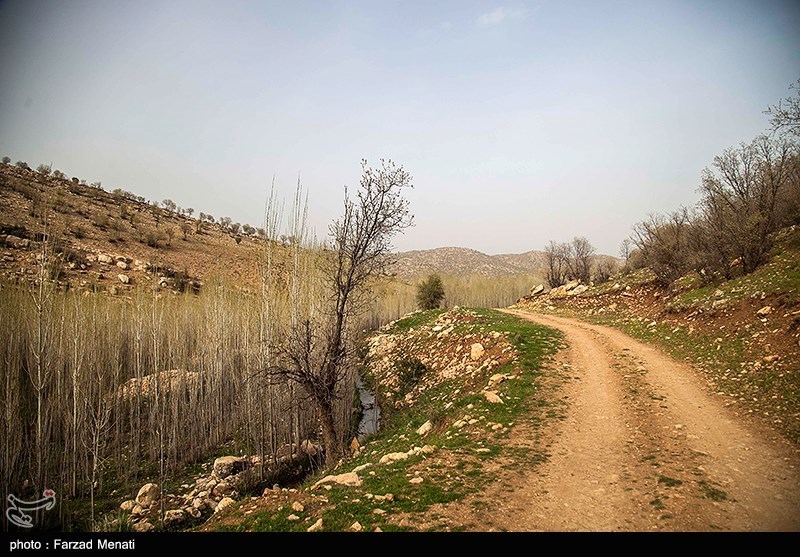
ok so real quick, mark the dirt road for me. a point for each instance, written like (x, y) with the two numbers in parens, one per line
(645, 446)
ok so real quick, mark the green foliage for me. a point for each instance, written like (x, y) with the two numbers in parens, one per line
(410, 371)
(430, 293)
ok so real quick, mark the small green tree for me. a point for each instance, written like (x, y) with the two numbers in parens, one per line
(430, 292)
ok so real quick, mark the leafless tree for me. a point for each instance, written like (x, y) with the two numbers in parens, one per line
(785, 116)
(581, 252)
(557, 256)
(319, 353)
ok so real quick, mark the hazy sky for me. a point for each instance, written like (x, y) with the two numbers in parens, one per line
(520, 122)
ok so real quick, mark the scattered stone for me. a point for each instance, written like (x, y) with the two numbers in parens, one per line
(571, 285)
(127, 506)
(354, 445)
(122, 265)
(356, 527)
(224, 504)
(193, 512)
(124, 279)
(362, 467)
(148, 494)
(102, 258)
(298, 506)
(425, 428)
(536, 290)
(493, 397)
(348, 478)
(770, 359)
(226, 466)
(173, 518)
(763, 312)
(316, 527)
(393, 457)
(377, 529)
(143, 526)
(379, 512)
(416, 480)
(292, 517)
(476, 351)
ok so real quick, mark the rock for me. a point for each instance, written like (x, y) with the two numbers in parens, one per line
(354, 445)
(316, 527)
(193, 512)
(392, 457)
(143, 526)
(298, 506)
(124, 279)
(362, 467)
(416, 480)
(492, 397)
(536, 290)
(350, 479)
(718, 293)
(578, 290)
(198, 503)
(310, 448)
(137, 510)
(224, 504)
(497, 378)
(122, 265)
(356, 527)
(127, 506)
(105, 259)
(770, 359)
(763, 312)
(148, 494)
(293, 518)
(174, 518)
(226, 466)
(476, 351)
(379, 512)
(425, 428)
(428, 449)
(377, 529)
(571, 285)
(221, 489)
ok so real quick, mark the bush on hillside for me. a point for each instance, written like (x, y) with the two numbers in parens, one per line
(430, 293)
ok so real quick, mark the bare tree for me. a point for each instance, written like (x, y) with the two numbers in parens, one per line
(625, 251)
(320, 350)
(581, 252)
(557, 255)
(785, 116)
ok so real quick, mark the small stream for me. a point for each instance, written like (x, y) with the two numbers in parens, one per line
(371, 418)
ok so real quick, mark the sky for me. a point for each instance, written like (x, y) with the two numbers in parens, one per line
(520, 122)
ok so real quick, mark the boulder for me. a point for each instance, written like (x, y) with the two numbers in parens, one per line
(348, 478)
(122, 265)
(425, 428)
(763, 312)
(226, 466)
(193, 512)
(571, 285)
(354, 445)
(476, 351)
(148, 494)
(393, 457)
(124, 279)
(356, 527)
(316, 527)
(143, 526)
(492, 397)
(309, 448)
(173, 518)
(580, 289)
(224, 504)
(297, 506)
(127, 506)
(416, 480)
(536, 290)
(102, 258)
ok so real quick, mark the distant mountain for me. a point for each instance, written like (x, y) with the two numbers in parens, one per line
(465, 261)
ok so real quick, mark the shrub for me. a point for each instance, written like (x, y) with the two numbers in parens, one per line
(430, 293)
(6, 160)
(409, 372)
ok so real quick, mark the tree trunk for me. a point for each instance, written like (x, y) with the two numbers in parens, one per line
(333, 445)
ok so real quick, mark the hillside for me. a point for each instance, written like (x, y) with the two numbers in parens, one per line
(744, 334)
(465, 261)
(90, 226)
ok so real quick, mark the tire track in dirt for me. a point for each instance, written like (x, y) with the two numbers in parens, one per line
(645, 447)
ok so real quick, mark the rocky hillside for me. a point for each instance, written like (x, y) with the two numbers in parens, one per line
(743, 333)
(463, 394)
(100, 235)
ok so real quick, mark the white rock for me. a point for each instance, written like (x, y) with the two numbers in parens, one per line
(143, 526)
(124, 279)
(393, 457)
(298, 506)
(122, 265)
(476, 351)
(425, 428)
(492, 397)
(416, 480)
(316, 527)
(148, 494)
(356, 527)
(292, 517)
(348, 478)
(224, 504)
(127, 506)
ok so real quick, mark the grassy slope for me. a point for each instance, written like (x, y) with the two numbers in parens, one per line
(458, 466)
(716, 327)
